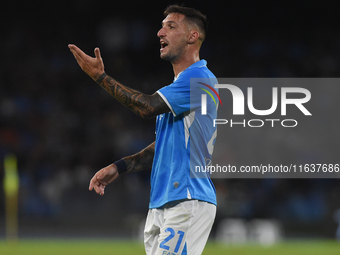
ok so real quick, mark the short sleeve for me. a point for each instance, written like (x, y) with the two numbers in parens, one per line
(182, 96)
(177, 94)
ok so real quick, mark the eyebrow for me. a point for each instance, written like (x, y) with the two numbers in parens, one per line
(170, 21)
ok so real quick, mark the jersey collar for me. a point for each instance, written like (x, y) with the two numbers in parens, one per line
(198, 64)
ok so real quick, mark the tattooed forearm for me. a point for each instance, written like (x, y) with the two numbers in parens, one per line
(142, 160)
(143, 105)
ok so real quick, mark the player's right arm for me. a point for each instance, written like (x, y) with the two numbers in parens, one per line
(144, 105)
(134, 163)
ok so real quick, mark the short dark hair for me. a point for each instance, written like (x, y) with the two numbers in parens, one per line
(191, 15)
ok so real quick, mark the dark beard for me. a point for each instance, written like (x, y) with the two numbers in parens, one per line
(172, 56)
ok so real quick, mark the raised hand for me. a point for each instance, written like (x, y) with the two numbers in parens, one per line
(94, 67)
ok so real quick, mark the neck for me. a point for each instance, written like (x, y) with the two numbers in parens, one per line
(183, 63)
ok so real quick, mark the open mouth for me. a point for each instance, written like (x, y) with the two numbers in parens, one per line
(163, 45)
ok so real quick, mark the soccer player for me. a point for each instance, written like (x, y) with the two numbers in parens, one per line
(182, 209)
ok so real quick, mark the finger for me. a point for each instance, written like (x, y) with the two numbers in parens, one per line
(101, 176)
(97, 53)
(91, 186)
(76, 55)
(76, 51)
(97, 189)
(103, 179)
(71, 46)
(101, 189)
(74, 48)
(93, 183)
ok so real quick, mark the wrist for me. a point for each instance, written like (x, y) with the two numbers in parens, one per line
(121, 166)
(100, 79)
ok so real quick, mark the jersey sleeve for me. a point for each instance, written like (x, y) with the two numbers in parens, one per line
(177, 94)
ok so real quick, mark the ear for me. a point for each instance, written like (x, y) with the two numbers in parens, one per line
(193, 37)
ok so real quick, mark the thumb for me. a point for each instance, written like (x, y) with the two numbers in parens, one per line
(100, 176)
(97, 52)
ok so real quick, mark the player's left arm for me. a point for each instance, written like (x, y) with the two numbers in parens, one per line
(138, 162)
(144, 105)
(142, 160)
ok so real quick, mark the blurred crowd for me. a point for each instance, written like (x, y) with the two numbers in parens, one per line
(63, 127)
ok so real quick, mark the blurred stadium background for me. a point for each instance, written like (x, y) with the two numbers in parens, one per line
(63, 128)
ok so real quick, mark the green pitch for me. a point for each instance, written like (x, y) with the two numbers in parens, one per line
(114, 247)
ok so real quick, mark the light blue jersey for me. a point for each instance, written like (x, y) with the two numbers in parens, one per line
(183, 130)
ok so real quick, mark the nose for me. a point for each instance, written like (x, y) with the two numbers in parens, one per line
(161, 33)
